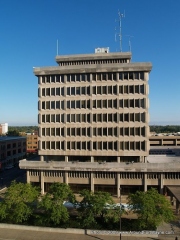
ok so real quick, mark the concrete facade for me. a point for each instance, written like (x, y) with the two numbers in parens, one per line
(93, 118)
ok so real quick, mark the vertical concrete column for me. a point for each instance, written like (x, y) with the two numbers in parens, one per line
(161, 183)
(66, 158)
(41, 158)
(118, 159)
(92, 159)
(42, 182)
(92, 182)
(118, 184)
(66, 178)
(145, 182)
(27, 176)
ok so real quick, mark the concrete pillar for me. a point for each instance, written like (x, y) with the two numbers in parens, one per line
(177, 206)
(118, 159)
(41, 158)
(66, 158)
(145, 182)
(92, 159)
(161, 183)
(118, 184)
(27, 176)
(42, 182)
(66, 178)
(92, 182)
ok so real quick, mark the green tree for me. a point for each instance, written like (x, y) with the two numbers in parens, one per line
(18, 203)
(13, 133)
(51, 205)
(97, 206)
(151, 208)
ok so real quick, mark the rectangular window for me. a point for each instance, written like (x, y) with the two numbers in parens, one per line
(62, 93)
(52, 117)
(99, 90)
(68, 91)
(52, 104)
(68, 117)
(77, 90)
(72, 90)
(62, 118)
(78, 118)
(73, 104)
(52, 91)
(94, 90)
(52, 131)
(72, 117)
(57, 104)
(57, 117)
(48, 118)
(109, 89)
(83, 91)
(57, 91)
(78, 131)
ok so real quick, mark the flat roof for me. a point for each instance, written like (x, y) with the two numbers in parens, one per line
(9, 138)
(163, 159)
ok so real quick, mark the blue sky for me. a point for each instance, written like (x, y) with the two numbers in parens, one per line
(29, 30)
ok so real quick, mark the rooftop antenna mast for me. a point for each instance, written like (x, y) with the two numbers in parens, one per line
(129, 36)
(120, 15)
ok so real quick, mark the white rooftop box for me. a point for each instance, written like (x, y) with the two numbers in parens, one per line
(102, 50)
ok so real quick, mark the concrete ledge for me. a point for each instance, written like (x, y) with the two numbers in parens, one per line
(79, 231)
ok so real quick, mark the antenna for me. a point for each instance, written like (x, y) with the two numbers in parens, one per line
(121, 15)
(129, 41)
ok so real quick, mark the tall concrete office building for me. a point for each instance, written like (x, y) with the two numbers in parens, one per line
(93, 116)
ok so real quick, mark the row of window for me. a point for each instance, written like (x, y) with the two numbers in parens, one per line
(86, 104)
(123, 175)
(105, 117)
(72, 91)
(87, 77)
(88, 132)
(90, 62)
(57, 145)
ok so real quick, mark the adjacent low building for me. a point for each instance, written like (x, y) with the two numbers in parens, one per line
(31, 142)
(12, 149)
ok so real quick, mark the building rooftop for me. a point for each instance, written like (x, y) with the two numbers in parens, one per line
(9, 138)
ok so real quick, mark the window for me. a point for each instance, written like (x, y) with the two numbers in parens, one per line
(77, 90)
(62, 91)
(99, 90)
(48, 105)
(109, 89)
(94, 90)
(73, 91)
(83, 91)
(52, 91)
(72, 117)
(78, 117)
(47, 91)
(99, 104)
(78, 104)
(48, 118)
(68, 117)
(57, 104)
(52, 104)
(58, 91)
(53, 118)
(104, 90)
(73, 104)
(57, 117)
(83, 131)
(68, 90)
